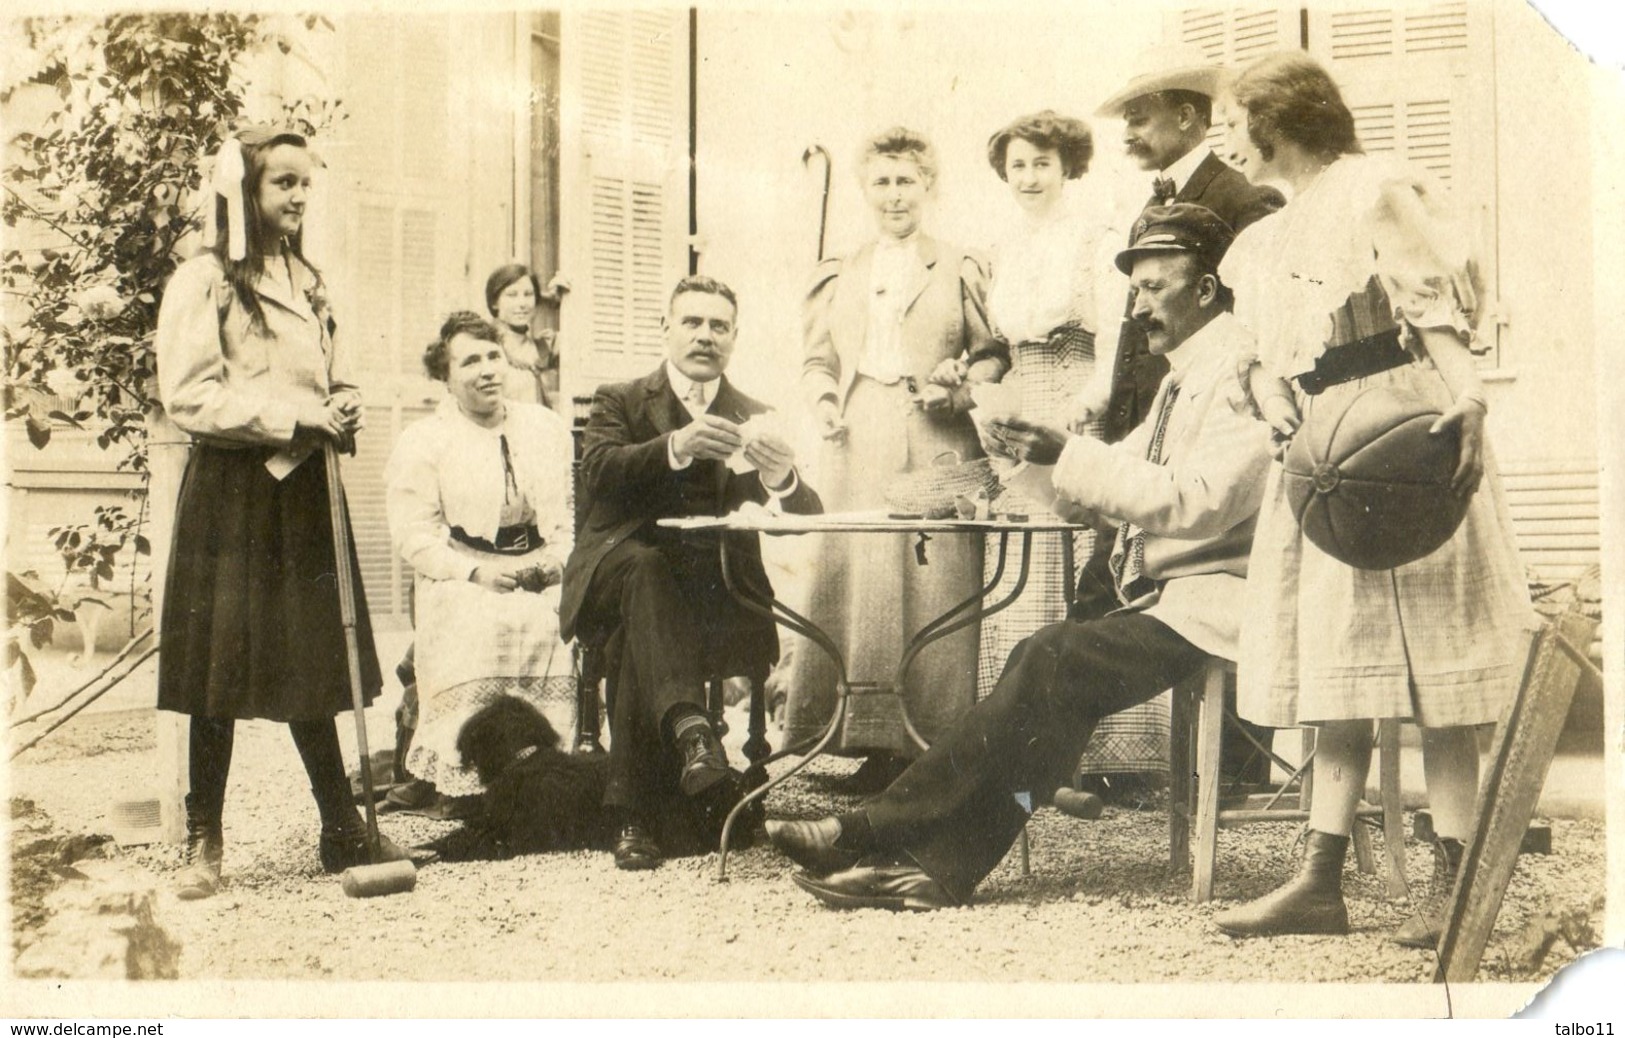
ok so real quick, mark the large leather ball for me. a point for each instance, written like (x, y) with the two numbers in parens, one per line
(1369, 485)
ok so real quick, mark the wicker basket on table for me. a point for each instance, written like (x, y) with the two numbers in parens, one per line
(933, 491)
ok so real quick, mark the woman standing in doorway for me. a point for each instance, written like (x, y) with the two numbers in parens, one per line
(512, 294)
(251, 625)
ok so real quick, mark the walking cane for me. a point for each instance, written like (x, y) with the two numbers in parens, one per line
(376, 878)
(823, 202)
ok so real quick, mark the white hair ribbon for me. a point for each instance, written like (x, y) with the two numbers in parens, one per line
(228, 184)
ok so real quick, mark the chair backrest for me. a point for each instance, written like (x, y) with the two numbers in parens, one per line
(580, 411)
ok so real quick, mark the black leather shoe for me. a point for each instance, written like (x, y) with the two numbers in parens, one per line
(704, 762)
(812, 845)
(635, 849)
(895, 887)
(344, 846)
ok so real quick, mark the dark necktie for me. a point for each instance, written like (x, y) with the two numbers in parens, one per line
(1127, 560)
(1162, 190)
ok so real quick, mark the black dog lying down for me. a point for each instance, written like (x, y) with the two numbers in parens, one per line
(539, 798)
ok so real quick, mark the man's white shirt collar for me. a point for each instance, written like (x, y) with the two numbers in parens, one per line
(1184, 167)
(682, 385)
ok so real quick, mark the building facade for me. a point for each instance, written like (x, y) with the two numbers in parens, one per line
(624, 147)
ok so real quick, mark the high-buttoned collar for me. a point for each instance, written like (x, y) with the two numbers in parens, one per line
(886, 244)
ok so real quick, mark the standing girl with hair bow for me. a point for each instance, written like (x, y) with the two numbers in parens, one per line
(251, 624)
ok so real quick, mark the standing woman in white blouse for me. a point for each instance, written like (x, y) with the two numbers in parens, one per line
(1365, 280)
(878, 323)
(1052, 279)
(251, 625)
(1042, 303)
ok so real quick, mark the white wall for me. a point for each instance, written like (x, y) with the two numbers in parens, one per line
(1547, 194)
(770, 85)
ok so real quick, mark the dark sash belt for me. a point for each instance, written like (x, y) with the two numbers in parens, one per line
(511, 540)
(1358, 359)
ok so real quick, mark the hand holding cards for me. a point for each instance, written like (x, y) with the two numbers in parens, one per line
(994, 401)
(765, 448)
(708, 437)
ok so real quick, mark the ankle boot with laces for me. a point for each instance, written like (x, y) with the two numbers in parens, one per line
(1312, 902)
(1423, 928)
(205, 846)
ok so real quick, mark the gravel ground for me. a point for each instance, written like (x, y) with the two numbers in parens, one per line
(1101, 904)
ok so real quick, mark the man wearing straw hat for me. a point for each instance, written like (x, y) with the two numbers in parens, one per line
(1166, 108)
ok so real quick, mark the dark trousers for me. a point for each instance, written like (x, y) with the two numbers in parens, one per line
(955, 811)
(1239, 759)
(668, 622)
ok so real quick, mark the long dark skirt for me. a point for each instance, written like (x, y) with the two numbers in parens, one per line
(251, 625)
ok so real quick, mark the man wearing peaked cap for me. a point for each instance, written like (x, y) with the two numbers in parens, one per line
(1180, 497)
(1180, 227)
(1166, 107)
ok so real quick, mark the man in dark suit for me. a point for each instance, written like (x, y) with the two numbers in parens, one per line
(1166, 110)
(669, 445)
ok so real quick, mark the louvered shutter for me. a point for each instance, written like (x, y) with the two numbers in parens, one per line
(1234, 36)
(402, 187)
(1404, 73)
(387, 579)
(623, 227)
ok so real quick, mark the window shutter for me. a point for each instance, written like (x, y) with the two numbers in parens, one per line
(401, 186)
(624, 129)
(1234, 36)
(1403, 72)
(386, 578)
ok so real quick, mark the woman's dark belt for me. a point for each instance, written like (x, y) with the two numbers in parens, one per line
(511, 540)
(1358, 359)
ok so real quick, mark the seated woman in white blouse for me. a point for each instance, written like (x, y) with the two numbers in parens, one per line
(479, 503)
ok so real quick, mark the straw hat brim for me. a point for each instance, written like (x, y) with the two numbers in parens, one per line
(1198, 79)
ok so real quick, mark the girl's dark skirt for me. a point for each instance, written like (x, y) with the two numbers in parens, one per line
(251, 624)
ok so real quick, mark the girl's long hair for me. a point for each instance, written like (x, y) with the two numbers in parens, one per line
(241, 274)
